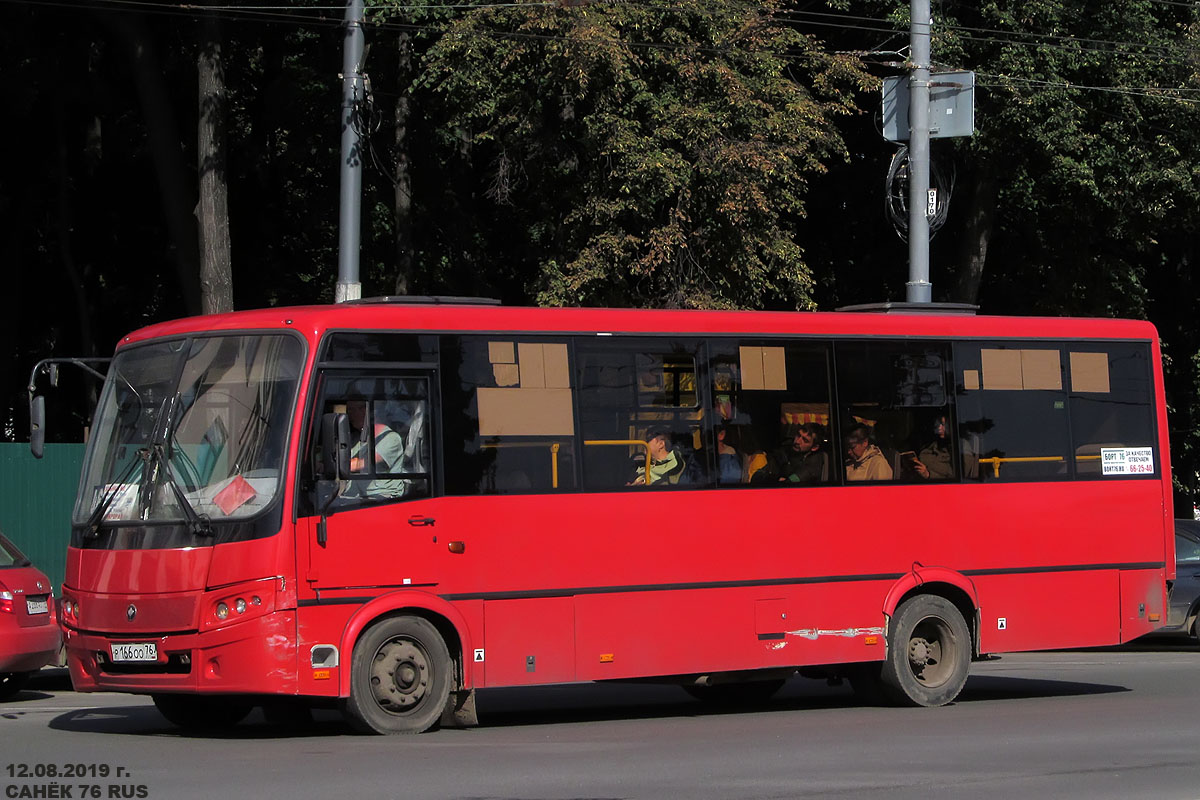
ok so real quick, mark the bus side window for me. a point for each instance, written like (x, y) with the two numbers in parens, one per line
(508, 415)
(639, 400)
(771, 411)
(896, 416)
(1112, 403)
(1012, 407)
(388, 420)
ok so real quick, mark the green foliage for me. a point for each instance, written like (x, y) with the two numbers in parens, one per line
(646, 155)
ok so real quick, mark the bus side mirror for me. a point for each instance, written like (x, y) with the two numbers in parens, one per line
(335, 446)
(37, 426)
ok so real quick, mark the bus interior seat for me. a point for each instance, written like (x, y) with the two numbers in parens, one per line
(414, 442)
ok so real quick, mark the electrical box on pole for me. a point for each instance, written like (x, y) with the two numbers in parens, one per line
(951, 106)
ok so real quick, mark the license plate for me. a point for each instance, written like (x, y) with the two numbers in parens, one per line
(37, 605)
(135, 651)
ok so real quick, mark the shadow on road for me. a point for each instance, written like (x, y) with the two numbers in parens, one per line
(144, 720)
(570, 703)
(997, 687)
(583, 703)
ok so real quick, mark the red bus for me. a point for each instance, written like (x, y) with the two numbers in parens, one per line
(389, 505)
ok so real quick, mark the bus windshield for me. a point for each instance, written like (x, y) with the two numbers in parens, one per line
(191, 430)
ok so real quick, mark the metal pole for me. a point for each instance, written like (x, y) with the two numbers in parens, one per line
(350, 204)
(918, 288)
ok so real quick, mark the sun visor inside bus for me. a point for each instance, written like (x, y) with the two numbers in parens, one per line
(532, 396)
(763, 368)
(530, 365)
(1019, 369)
(525, 412)
(1089, 373)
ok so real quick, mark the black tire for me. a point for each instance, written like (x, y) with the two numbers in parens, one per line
(742, 693)
(929, 652)
(197, 712)
(12, 682)
(400, 677)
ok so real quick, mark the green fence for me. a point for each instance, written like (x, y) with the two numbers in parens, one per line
(36, 498)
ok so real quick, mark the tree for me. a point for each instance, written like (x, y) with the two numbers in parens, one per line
(644, 155)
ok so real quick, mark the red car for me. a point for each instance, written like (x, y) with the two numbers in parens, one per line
(29, 636)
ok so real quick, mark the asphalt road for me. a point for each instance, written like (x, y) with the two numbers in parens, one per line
(1091, 724)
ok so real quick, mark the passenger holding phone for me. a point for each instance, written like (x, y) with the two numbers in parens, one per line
(935, 461)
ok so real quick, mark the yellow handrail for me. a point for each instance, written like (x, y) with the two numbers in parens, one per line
(996, 461)
(554, 448)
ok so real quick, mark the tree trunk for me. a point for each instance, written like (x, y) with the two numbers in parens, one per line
(212, 210)
(402, 178)
(166, 151)
(977, 234)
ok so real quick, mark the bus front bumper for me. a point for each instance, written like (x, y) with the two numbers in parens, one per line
(256, 656)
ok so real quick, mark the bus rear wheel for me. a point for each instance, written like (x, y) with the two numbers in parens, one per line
(929, 652)
(400, 677)
(202, 712)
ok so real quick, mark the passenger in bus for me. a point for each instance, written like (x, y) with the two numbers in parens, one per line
(935, 461)
(666, 465)
(729, 460)
(864, 461)
(804, 461)
(389, 453)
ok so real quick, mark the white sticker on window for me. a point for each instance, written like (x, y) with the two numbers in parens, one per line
(1127, 460)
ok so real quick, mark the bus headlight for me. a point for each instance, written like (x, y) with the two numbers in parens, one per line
(239, 602)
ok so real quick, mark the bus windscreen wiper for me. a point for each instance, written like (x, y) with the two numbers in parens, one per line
(92, 526)
(199, 524)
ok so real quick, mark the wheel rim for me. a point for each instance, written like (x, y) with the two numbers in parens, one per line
(400, 675)
(931, 652)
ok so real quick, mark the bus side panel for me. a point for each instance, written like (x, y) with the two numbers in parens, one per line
(529, 641)
(631, 634)
(320, 625)
(1143, 602)
(1050, 610)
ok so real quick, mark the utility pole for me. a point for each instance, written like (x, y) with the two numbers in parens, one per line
(920, 200)
(350, 203)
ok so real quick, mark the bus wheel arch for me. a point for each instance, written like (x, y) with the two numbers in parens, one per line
(401, 676)
(443, 616)
(941, 582)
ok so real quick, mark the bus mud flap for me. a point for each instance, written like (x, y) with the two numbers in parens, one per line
(460, 710)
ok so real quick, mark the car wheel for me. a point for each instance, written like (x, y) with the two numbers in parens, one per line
(400, 677)
(11, 683)
(929, 652)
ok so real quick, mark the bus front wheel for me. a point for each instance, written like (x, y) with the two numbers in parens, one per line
(929, 652)
(400, 677)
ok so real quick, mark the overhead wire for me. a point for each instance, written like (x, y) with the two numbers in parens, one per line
(302, 15)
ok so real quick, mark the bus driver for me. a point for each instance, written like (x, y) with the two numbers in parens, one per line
(389, 454)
